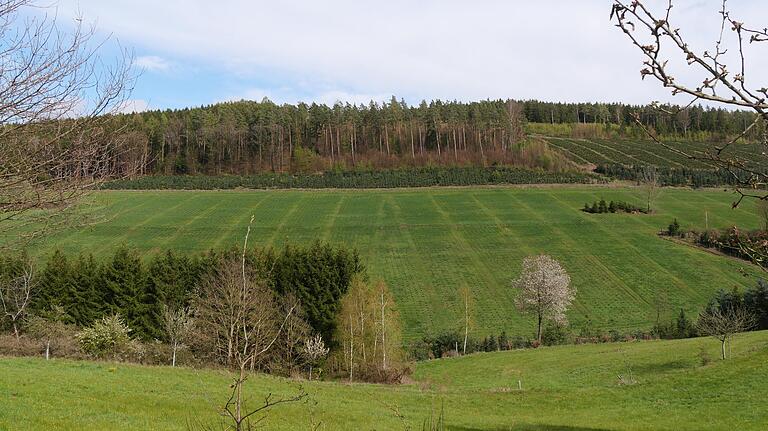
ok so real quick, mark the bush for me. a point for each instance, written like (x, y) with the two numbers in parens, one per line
(674, 228)
(600, 207)
(108, 336)
(555, 334)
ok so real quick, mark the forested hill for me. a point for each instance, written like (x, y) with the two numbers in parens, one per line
(249, 137)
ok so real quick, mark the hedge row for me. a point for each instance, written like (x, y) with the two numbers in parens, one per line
(421, 177)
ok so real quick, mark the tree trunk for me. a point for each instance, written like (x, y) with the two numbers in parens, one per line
(413, 152)
(722, 347)
(538, 330)
(47, 350)
(466, 323)
(173, 361)
(383, 340)
(351, 348)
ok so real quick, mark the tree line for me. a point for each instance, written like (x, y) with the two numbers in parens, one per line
(318, 275)
(665, 120)
(249, 137)
(279, 311)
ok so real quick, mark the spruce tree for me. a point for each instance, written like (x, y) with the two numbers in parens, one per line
(123, 289)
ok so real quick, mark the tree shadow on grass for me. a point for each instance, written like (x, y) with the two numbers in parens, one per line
(663, 367)
(527, 427)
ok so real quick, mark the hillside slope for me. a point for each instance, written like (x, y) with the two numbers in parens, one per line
(572, 388)
(428, 243)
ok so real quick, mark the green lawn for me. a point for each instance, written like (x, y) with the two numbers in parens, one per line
(573, 388)
(428, 243)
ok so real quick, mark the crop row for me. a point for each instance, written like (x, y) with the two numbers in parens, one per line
(643, 152)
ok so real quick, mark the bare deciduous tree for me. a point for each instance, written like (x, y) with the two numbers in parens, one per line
(295, 332)
(315, 350)
(177, 323)
(49, 327)
(665, 50)
(467, 307)
(16, 293)
(724, 324)
(54, 93)
(544, 289)
(369, 332)
(649, 181)
(239, 320)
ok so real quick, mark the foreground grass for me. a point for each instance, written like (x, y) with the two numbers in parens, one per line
(564, 388)
(428, 243)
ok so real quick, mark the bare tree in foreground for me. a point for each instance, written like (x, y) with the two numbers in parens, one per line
(16, 293)
(178, 324)
(724, 324)
(55, 91)
(723, 79)
(544, 290)
(238, 318)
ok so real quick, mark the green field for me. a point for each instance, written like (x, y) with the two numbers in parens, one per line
(428, 243)
(570, 388)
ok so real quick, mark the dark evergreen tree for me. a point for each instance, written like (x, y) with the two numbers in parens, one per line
(756, 301)
(122, 290)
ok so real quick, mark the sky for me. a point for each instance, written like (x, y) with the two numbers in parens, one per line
(197, 52)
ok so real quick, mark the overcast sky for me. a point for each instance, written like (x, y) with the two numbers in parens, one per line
(196, 52)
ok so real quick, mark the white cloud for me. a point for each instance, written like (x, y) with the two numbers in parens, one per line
(133, 106)
(152, 63)
(451, 49)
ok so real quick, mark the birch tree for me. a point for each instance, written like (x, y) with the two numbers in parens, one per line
(544, 290)
(368, 330)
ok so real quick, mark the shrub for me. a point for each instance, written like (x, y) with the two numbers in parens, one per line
(555, 334)
(601, 207)
(674, 228)
(108, 336)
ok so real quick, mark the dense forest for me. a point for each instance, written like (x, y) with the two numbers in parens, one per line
(247, 137)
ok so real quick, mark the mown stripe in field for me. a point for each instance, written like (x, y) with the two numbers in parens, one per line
(236, 224)
(133, 228)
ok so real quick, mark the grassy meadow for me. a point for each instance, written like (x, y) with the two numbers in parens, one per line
(428, 243)
(570, 388)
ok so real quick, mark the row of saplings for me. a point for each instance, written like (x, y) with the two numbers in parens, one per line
(307, 310)
(603, 207)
